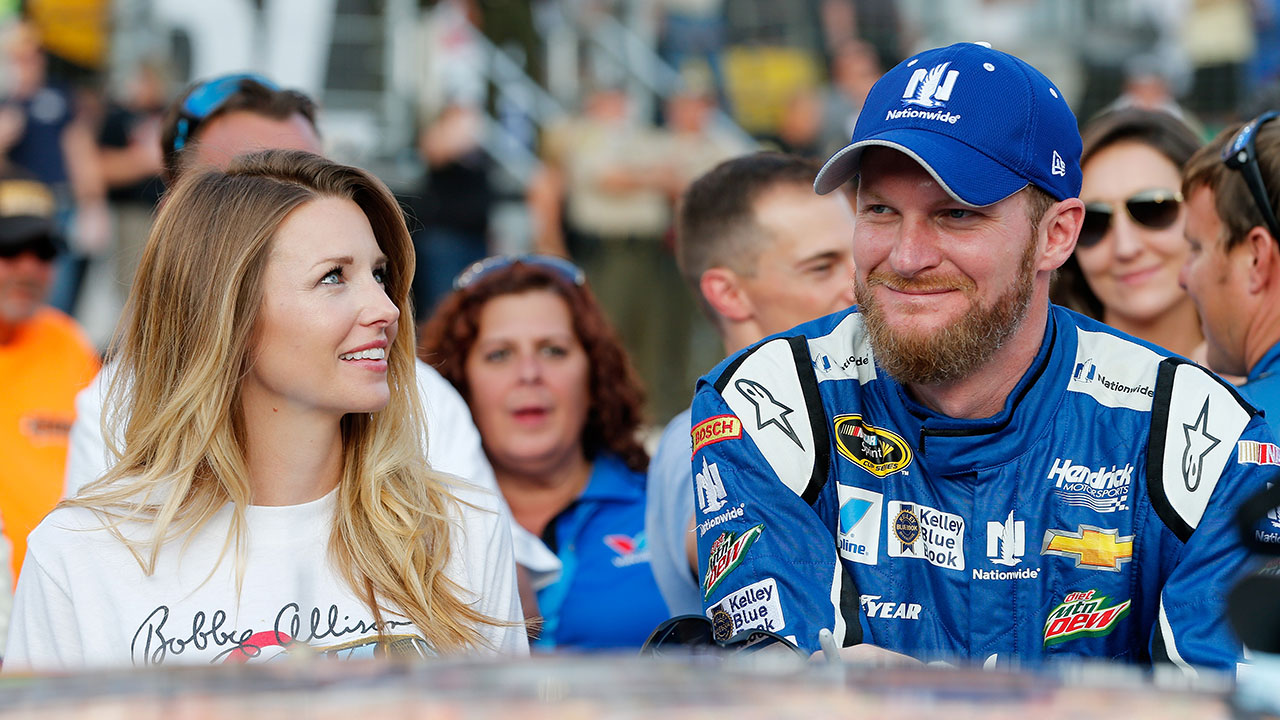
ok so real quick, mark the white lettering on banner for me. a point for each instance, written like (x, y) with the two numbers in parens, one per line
(921, 532)
(754, 607)
(710, 523)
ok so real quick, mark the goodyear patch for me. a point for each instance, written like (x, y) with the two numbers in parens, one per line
(715, 429)
(878, 451)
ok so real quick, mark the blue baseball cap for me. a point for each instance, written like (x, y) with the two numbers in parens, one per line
(982, 122)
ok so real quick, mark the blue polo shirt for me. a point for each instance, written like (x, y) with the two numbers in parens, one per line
(1262, 388)
(606, 597)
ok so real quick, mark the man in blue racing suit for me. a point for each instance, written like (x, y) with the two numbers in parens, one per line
(957, 470)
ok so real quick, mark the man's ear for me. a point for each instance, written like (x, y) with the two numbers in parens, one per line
(723, 292)
(1264, 260)
(1059, 228)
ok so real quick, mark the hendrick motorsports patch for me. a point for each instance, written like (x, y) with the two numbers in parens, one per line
(1083, 614)
(754, 607)
(727, 552)
(876, 450)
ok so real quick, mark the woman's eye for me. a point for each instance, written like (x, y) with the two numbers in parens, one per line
(494, 356)
(333, 277)
(555, 351)
(380, 275)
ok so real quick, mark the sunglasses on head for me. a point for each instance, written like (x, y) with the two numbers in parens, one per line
(483, 268)
(1154, 209)
(207, 98)
(1242, 154)
(43, 248)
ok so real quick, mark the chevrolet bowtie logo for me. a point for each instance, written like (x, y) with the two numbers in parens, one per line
(1091, 547)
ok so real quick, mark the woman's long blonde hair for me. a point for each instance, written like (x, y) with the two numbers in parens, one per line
(185, 346)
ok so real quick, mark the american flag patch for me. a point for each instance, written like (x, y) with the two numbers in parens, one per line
(1258, 453)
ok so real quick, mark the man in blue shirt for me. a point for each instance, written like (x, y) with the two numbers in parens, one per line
(762, 253)
(1233, 270)
(958, 470)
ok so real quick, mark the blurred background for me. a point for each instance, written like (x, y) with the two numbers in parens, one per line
(485, 115)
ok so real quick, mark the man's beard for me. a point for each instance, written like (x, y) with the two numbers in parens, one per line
(953, 352)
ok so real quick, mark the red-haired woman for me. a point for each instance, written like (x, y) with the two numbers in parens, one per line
(558, 406)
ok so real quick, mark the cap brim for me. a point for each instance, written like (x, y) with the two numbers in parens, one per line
(966, 174)
(24, 228)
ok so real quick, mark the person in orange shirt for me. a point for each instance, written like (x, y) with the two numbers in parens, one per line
(45, 359)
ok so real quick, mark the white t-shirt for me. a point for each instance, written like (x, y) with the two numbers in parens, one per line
(83, 601)
(453, 447)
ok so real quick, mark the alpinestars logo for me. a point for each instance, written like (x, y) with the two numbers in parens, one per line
(1199, 444)
(727, 553)
(768, 410)
(1082, 614)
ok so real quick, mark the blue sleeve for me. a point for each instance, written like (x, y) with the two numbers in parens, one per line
(767, 559)
(1210, 451)
(668, 515)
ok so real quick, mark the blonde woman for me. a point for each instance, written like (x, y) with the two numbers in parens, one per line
(271, 495)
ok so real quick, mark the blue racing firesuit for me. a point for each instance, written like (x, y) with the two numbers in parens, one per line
(1093, 516)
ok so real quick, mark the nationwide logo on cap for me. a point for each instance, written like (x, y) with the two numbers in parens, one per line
(930, 88)
(1091, 547)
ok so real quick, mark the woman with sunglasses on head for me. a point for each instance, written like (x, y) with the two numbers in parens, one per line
(271, 495)
(1131, 248)
(558, 407)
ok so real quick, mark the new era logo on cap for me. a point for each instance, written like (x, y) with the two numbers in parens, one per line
(985, 123)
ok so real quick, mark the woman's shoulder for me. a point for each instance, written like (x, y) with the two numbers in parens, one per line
(475, 504)
(71, 532)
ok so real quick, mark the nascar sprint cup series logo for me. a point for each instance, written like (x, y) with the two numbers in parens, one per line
(876, 450)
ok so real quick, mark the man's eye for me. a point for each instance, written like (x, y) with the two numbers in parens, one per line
(877, 209)
(959, 213)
